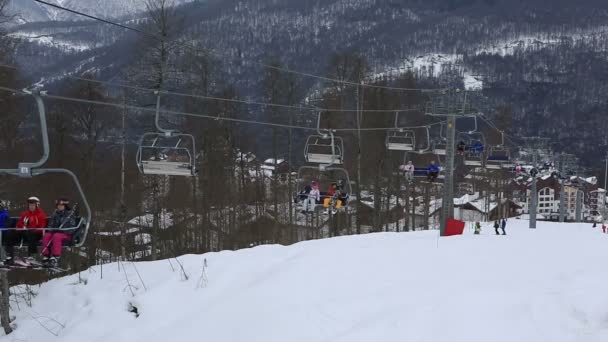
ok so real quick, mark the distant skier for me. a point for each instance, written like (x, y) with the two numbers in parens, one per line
(408, 170)
(496, 226)
(503, 226)
(604, 227)
(432, 171)
(477, 228)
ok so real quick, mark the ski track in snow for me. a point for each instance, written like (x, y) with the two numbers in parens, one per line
(548, 284)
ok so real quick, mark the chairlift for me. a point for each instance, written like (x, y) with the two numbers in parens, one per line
(422, 172)
(400, 139)
(28, 170)
(440, 145)
(166, 152)
(326, 176)
(473, 149)
(428, 148)
(324, 147)
(499, 157)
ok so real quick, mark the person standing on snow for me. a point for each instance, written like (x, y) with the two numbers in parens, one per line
(477, 228)
(503, 226)
(28, 230)
(496, 226)
(604, 227)
(52, 241)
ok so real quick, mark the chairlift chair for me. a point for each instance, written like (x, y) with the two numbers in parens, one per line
(440, 145)
(326, 176)
(166, 152)
(157, 158)
(440, 148)
(422, 172)
(27, 170)
(400, 140)
(498, 158)
(472, 155)
(324, 147)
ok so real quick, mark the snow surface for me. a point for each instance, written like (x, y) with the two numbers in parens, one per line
(548, 284)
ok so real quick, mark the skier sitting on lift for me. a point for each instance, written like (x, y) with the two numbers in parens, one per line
(477, 148)
(27, 230)
(333, 198)
(432, 171)
(4, 218)
(313, 195)
(408, 170)
(461, 147)
(52, 241)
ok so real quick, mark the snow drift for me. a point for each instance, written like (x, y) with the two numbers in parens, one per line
(548, 284)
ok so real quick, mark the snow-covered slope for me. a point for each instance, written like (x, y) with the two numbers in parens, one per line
(548, 284)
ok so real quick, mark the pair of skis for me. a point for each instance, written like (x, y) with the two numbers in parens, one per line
(32, 265)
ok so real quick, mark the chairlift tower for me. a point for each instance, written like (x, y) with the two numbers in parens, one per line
(451, 104)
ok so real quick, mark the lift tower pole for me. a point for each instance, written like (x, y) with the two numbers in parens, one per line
(451, 104)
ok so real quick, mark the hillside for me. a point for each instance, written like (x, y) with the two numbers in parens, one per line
(546, 67)
(547, 284)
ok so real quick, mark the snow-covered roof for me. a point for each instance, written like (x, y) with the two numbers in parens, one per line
(270, 161)
(147, 220)
(247, 157)
(117, 233)
(480, 205)
(591, 180)
(367, 199)
(466, 199)
(472, 82)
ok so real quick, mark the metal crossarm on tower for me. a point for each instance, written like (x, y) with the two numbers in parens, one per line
(452, 104)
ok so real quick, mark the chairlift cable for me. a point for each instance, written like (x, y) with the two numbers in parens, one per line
(222, 99)
(204, 116)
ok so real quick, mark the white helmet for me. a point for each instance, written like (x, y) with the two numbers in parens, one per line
(33, 199)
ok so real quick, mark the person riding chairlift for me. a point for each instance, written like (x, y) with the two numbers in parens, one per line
(333, 198)
(518, 169)
(28, 230)
(312, 196)
(477, 148)
(432, 171)
(52, 241)
(4, 217)
(461, 147)
(408, 170)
